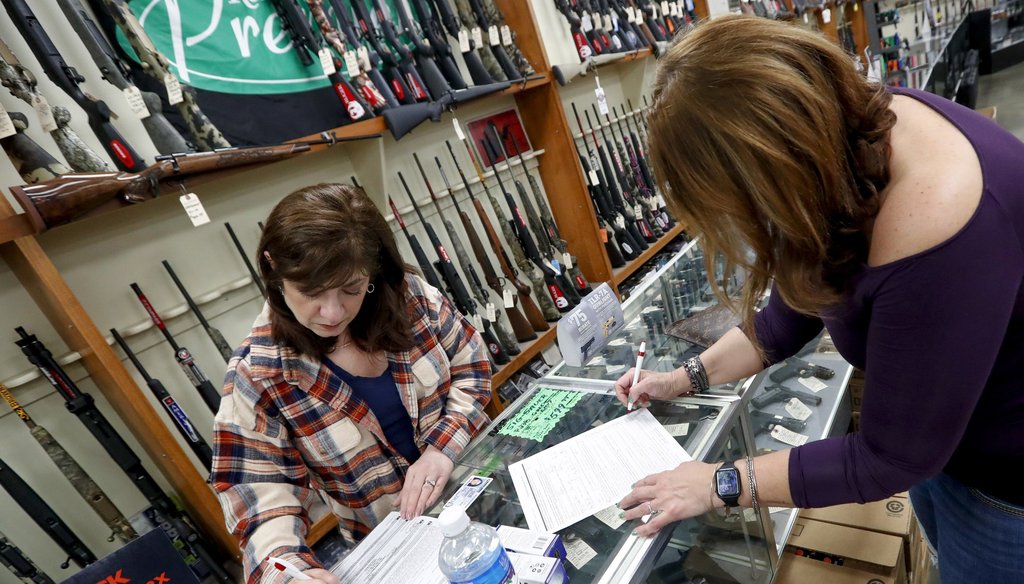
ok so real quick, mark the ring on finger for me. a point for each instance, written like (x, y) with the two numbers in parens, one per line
(650, 509)
(430, 483)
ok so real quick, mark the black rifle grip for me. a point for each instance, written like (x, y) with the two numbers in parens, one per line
(477, 72)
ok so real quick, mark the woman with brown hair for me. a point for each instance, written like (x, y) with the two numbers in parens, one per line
(359, 385)
(893, 218)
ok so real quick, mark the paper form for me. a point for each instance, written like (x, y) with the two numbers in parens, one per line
(395, 551)
(585, 474)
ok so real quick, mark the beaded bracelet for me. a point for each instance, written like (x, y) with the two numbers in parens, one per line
(697, 374)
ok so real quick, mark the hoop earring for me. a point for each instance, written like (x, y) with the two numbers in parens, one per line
(370, 288)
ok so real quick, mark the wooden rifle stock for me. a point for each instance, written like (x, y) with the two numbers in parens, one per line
(73, 195)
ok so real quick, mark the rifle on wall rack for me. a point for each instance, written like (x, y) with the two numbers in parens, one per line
(75, 474)
(181, 421)
(629, 182)
(30, 160)
(213, 332)
(393, 89)
(169, 518)
(435, 46)
(256, 279)
(354, 66)
(21, 565)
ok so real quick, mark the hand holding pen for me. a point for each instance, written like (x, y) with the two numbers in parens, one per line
(638, 387)
(311, 575)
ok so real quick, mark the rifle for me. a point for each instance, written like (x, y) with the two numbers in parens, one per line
(75, 474)
(614, 195)
(453, 282)
(395, 92)
(650, 17)
(633, 182)
(646, 175)
(401, 121)
(622, 189)
(165, 137)
(776, 393)
(436, 45)
(367, 89)
(508, 342)
(68, 79)
(34, 164)
(22, 84)
(398, 64)
(480, 61)
(624, 245)
(533, 274)
(70, 196)
(414, 64)
(205, 135)
(417, 250)
(546, 220)
(172, 520)
(494, 17)
(556, 290)
(584, 48)
(520, 324)
(45, 517)
(245, 259)
(170, 405)
(19, 564)
(532, 311)
(294, 20)
(215, 335)
(182, 355)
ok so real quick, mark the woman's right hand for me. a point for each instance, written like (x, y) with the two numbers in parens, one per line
(653, 385)
(319, 576)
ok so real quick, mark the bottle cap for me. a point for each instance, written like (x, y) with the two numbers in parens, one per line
(453, 521)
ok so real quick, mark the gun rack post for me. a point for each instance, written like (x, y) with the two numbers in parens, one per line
(58, 303)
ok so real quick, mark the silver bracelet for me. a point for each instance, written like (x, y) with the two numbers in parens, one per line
(698, 375)
(753, 483)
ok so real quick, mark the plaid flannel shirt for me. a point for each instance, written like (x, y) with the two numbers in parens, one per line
(290, 436)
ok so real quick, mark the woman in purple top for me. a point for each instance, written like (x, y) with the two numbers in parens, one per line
(895, 219)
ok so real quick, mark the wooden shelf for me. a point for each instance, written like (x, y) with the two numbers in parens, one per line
(529, 351)
(620, 274)
(321, 528)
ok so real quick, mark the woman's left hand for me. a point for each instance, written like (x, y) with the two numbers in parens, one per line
(424, 483)
(673, 495)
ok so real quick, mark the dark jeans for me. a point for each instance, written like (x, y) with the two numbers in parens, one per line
(978, 538)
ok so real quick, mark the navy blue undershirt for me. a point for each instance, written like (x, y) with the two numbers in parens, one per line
(381, 396)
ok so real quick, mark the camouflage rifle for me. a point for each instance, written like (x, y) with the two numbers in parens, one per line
(165, 137)
(479, 60)
(496, 18)
(69, 197)
(367, 89)
(19, 564)
(491, 21)
(22, 84)
(74, 473)
(205, 135)
(469, 24)
(34, 164)
(370, 60)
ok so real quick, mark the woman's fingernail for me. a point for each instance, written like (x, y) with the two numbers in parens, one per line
(622, 514)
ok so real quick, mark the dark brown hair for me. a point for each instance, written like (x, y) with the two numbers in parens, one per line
(771, 145)
(321, 237)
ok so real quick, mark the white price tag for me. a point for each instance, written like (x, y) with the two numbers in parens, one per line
(506, 35)
(326, 61)
(638, 211)
(596, 19)
(458, 129)
(567, 260)
(631, 14)
(42, 107)
(351, 63)
(6, 124)
(664, 7)
(654, 10)
(787, 436)
(798, 409)
(478, 36)
(464, 40)
(813, 383)
(363, 54)
(173, 86)
(661, 201)
(689, 5)
(586, 25)
(608, 26)
(678, 429)
(592, 175)
(478, 323)
(507, 298)
(579, 553)
(133, 96)
(491, 314)
(602, 101)
(826, 16)
(806, 19)
(610, 516)
(620, 222)
(494, 36)
(194, 209)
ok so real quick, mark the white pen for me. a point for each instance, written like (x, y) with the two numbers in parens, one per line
(636, 371)
(288, 568)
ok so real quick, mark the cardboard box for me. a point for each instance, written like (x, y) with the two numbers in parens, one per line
(538, 569)
(868, 551)
(535, 543)
(892, 516)
(798, 570)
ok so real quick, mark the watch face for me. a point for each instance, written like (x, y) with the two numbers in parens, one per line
(728, 482)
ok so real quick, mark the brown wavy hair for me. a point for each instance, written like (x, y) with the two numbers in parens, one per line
(320, 237)
(769, 143)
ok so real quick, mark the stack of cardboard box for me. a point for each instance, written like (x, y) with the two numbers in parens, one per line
(874, 543)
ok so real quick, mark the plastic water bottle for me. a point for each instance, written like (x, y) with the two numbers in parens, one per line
(471, 552)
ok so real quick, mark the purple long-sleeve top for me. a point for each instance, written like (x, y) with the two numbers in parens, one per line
(940, 337)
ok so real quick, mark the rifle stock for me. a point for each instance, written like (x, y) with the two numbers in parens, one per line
(402, 120)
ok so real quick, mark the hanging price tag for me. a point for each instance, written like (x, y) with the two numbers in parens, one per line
(478, 323)
(478, 36)
(826, 16)
(6, 124)
(490, 313)
(787, 436)
(567, 260)
(602, 101)
(654, 10)
(133, 96)
(494, 36)
(327, 61)
(664, 7)
(620, 222)
(464, 40)
(806, 19)
(507, 298)
(42, 107)
(593, 178)
(689, 5)
(586, 25)
(458, 129)
(506, 35)
(194, 209)
(638, 210)
(798, 409)
(173, 86)
(351, 63)
(631, 14)
(363, 54)
(608, 26)
(675, 9)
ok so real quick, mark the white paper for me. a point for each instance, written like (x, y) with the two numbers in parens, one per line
(494, 36)
(478, 36)
(194, 209)
(508, 299)
(506, 35)
(579, 553)
(492, 315)
(787, 436)
(610, 517)
(464, 45)
(174, 94)
(678, 429)
(813, 383)
(585, 474)
(798, 409)
(133, 96)
(395, 551)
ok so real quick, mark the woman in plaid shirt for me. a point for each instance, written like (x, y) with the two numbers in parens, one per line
(358, 386)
